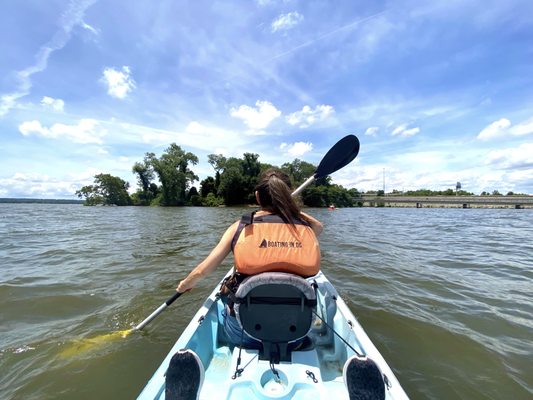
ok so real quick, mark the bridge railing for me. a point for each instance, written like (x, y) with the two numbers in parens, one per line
(460, 200)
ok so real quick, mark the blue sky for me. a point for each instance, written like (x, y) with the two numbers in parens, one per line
(436, 91)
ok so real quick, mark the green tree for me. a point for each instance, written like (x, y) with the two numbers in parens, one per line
(237, 177)
(107, 190)
(145, 175)
(92, 197)
(298, 171)
(232, 186)
(193, 197)
(315, 196)
(218, 162)
(450, 192)
(211, 200)
(251, 168)
(339, 196)
(354, 193)
(207, 186)
(172, 169)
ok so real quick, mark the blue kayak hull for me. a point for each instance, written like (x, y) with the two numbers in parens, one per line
(323, 361)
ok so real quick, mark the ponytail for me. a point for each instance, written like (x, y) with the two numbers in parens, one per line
(275, 196)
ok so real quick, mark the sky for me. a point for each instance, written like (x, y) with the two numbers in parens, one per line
(437, 92)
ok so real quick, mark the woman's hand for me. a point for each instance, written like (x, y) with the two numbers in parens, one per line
(316, 225)
(183, 287)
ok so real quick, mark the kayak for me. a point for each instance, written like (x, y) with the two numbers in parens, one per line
(312, 370)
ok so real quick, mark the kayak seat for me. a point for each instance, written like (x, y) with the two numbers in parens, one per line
(276, 308)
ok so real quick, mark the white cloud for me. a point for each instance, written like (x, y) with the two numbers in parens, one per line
(411, 132)
(517, 157)
(54, 104)
(29, 127)
(7, 102)
(504, 127)
(89, 28)
(258, 117)
(297, 149)
(307, 116)
(84, 132)
(372, 131)
(403, 131)
(119, 83)
(195, 135)
(522, 129)
(497, 128)
(195, 127)
(38, 185)
(286, 21)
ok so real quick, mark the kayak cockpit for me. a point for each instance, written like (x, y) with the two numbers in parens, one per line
(313, 370)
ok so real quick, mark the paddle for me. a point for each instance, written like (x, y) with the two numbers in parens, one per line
(157, 312)
(340, 155)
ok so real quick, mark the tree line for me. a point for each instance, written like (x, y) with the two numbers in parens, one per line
(168, 181)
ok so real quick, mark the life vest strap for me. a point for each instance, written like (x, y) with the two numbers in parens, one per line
(246, 219)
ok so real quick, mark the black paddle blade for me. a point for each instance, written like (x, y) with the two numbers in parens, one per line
(340, 155)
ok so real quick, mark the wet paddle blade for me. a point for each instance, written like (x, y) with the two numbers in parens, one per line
(82, 346)
(91, 344)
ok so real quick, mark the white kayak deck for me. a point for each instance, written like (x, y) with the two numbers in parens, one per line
(324, 359)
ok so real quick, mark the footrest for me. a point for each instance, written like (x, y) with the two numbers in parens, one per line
(363, 379)
(184, 376)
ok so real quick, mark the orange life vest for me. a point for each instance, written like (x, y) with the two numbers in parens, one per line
(267, 244)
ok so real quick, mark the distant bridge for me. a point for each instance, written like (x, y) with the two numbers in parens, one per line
(448, 201)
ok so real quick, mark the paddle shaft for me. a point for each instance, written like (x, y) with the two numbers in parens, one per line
(159, 310)
(303, 185)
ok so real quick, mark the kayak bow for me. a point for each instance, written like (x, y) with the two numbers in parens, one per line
(313, 372)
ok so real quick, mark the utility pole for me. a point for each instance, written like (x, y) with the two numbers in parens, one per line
(383, 181)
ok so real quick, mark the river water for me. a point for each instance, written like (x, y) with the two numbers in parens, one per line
(445, 294)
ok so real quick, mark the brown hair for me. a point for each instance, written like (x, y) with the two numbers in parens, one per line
(274, 189)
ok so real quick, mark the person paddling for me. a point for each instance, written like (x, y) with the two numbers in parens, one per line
(277, 238)
(273, 194)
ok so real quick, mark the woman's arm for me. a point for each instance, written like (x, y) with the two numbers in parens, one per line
(211, 262)
(316, 225)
